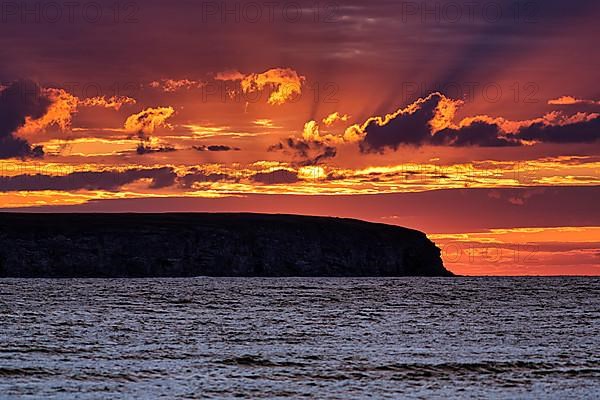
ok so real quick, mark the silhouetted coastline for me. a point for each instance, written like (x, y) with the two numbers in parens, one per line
(186, 245)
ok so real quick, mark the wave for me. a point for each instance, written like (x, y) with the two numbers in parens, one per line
(258, 361)
(490, 367)
(7, 372)
(425, 370)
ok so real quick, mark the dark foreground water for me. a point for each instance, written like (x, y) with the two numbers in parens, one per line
(323, 338)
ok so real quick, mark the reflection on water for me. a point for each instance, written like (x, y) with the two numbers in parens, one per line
(326, 338)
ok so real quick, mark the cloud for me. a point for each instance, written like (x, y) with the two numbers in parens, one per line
(311, 132)
(270, 174)
(114, 102)
(110, 180)
(283, 83)
(570, 100)
(162, 177)
(276, 177)
(147, 121)
(315, 147)
(11, 147)
(19, 102)
(231, 75)
(60, 112)
(518, 198)
(64, 105)
(312, 152)
(149, 149)
(477, 133)
(430, 121)
(197, 176)
(585, 129)
(335, 117)
(312, 173)
(413, 125)
(174, 85)
(326, 153)
(216, 148)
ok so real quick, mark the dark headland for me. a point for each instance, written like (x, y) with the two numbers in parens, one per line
(185, 245)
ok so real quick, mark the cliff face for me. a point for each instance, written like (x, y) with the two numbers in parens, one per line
(181, 245)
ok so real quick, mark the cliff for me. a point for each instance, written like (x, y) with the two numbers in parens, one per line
(182, 245)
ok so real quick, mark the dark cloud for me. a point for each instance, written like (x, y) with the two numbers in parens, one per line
(102, 180)
(196, 176)
(20, 100)
(143, 149)
(413, 127)
(579, 132)
(300, 147)
(162, 177)
(327, 153)
(216, 148)
(478, 133)
(277, 177)
(406, 128)
(276, 147)
(337, 176)
(312, 152)
(11, 146)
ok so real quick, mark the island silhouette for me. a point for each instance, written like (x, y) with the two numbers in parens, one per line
(219, 245)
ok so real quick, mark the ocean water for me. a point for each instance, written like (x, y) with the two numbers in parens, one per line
(291, 338)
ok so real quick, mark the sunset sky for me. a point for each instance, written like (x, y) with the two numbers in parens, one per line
(476, 122)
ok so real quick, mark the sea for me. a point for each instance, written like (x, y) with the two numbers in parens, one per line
(381, 338)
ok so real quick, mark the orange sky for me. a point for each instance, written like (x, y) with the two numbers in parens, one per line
(330, 114)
